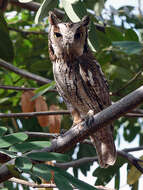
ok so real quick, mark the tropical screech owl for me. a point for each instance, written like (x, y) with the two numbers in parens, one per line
(79, 79)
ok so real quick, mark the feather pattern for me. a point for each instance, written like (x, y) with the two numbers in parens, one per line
(80, 81)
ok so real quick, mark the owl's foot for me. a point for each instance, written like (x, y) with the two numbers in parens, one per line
(77, 122)
(89, 118)
(76, 117)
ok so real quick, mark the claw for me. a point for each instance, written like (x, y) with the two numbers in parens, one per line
(89, 118)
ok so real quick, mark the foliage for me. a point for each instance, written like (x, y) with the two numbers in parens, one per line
(117, 47)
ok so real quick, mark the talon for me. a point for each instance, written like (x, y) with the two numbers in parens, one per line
(89, 118)
(90, 113)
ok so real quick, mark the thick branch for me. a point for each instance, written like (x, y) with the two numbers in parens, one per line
(84, 129)
(103, 118)
(23, 73)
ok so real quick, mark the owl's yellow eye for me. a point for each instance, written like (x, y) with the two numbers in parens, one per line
(57, 35)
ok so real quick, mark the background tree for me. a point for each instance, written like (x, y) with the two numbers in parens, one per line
(27, 86)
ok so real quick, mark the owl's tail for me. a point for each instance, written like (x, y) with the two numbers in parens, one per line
(105, 147)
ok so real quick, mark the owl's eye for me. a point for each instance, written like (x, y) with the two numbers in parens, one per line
(57, 34)
(77, 35)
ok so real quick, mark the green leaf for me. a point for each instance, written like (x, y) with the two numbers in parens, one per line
(74, 181)
(9, 153)
(44, 9)
(131, 129)
(116, 71)
(14, 138)
(41, 170)
(28, 146)
(3, 130)
(62, 182)
(84, 150)
(6, 47)
(23, 163)
(105, 175)
(43, 89)
(74, 9)
(117, 180)
(99, 7)
(93, 37)
(48, 156)
(130, 35)
(129, 47)
(134, 174)
(114, 34)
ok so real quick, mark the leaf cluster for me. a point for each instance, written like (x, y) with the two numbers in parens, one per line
(118, 48)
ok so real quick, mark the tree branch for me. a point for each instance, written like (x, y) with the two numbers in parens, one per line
(25, 32)
(32, 6)
(76, 163)
(41, 135)
(101, 119)
(23, 73)
(60, 112)
(31, 114)
(16, 88)
(34, 185)
(131, 159)
(22, 88)
(81, 131)
(118, 92)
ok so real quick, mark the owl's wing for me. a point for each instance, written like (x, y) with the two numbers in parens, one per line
(97, 87)
(94, 79)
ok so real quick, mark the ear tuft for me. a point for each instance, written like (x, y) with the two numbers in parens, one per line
(53, 20)
(85, 20)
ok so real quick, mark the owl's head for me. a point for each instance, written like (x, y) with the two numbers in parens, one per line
(67, 38)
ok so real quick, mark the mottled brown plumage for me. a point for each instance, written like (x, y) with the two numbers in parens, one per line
(80, 80)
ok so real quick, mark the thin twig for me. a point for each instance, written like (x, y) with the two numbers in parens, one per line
(76, 163)
(60, 112)
(41, 135)
(32, 114)
(32, 6)
(133, 149)
(30, 184)
(117, 93)
(24, 73)
(17, 88)
(132, 160)
(133, 115)
(34, 185)
(25, 32)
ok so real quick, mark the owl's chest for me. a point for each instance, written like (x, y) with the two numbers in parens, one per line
(72, 86)
(67, 78)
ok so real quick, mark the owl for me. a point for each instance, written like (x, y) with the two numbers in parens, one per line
(80, 80)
